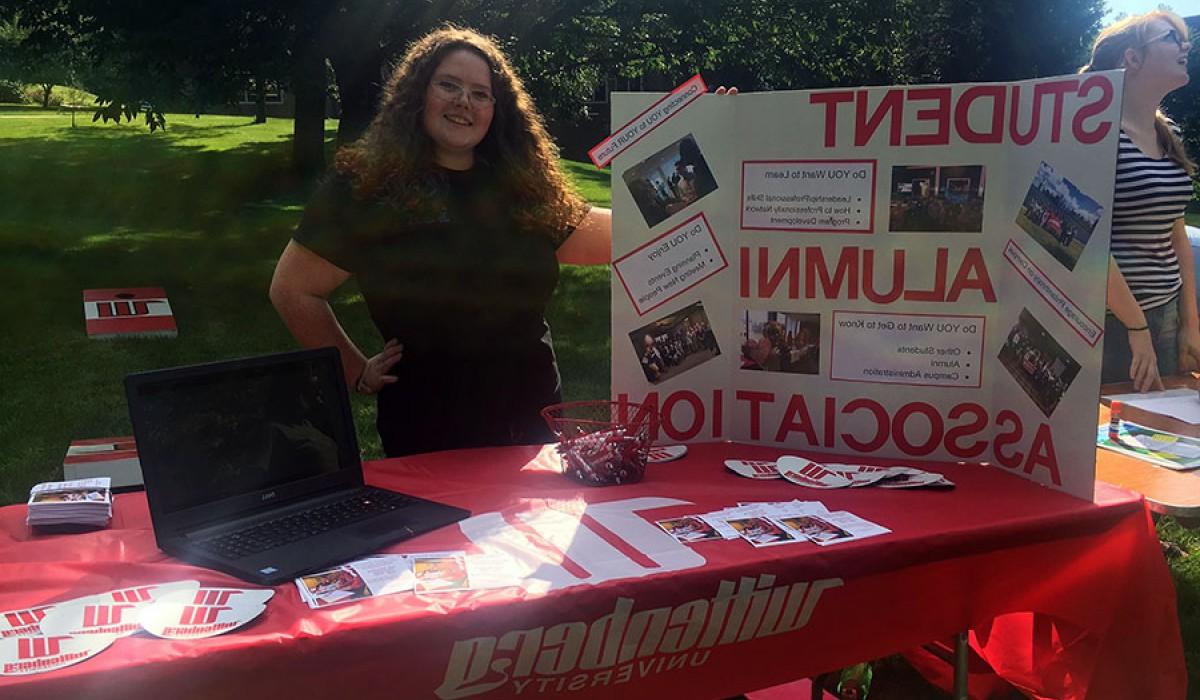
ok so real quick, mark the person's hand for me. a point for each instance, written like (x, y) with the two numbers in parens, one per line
(722, 90)
(1189, 349)
(376, 374)
(1144, 368)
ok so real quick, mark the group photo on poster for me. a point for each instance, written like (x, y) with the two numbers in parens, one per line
(675, 343)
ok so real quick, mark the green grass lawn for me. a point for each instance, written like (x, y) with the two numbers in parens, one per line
(203, 211)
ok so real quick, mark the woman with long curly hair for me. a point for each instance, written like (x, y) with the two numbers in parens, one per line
(453, 214)
(1152, 323)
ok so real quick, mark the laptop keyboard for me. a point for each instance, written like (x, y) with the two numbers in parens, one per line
(298, 526)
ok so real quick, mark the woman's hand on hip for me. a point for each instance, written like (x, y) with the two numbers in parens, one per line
(376, 373)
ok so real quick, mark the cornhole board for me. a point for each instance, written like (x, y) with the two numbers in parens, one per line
(114, 457)
(123, 313)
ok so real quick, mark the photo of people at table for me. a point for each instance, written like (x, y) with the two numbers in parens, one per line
(760, 531)
(778, 341)
(937, 198)
(675, 343)
(689, 529)
(1058, 216)
(1039, 364)
(336, 586)
(670, 180)
(815, 528)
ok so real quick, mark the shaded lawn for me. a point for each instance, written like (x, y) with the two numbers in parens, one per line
(202, 211)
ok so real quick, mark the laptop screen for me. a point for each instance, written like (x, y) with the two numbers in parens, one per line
(215, 432)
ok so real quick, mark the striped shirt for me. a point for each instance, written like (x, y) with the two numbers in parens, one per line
(1149, 196)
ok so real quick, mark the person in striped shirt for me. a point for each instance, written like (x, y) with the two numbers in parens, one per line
(1151, 328)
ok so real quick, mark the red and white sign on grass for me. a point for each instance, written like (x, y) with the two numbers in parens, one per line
(114, 457)
(133, 312)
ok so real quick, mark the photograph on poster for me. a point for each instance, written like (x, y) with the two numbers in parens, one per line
(1058, 216)
(670, 180)
(1039, 364)
(675, 343)
(937, 199)
(779, 341)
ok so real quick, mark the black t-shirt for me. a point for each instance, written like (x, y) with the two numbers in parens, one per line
(465, 290)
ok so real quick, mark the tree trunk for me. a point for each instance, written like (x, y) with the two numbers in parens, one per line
(46, 90)
(260, 101)
(308, 85)
(359, 86)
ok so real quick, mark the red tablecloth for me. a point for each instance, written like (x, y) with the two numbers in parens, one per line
(629, 612)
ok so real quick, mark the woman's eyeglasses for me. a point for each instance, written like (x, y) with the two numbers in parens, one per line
(452, 92)
(1172, 36)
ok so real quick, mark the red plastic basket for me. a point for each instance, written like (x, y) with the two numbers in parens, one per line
(602, 443)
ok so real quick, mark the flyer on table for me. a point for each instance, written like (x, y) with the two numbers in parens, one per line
(911, 272)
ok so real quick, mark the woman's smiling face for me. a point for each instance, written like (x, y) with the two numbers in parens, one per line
(458, 108)
(1165, 56)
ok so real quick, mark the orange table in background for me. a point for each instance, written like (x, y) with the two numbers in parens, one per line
(1167, 491)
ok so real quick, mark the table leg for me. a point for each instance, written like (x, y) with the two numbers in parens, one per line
(960, 666)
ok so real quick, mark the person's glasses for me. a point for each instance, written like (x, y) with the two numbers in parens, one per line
(1172, 36)
(452, 92)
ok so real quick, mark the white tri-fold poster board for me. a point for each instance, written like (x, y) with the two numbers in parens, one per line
(911, 272)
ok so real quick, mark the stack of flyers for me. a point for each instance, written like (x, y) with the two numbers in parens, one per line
(806, 472)
(770, 524)
(1159, 447)
(427, 572)
(85, 502)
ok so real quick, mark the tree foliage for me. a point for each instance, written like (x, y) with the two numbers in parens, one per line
(163, 54)
(36, 48)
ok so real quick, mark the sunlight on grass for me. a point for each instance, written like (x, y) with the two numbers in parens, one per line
(130, 240)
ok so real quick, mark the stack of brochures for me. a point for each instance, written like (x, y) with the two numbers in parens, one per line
(82, 502)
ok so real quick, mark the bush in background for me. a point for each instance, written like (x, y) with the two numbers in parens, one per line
(11, 91)
(34, 95)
